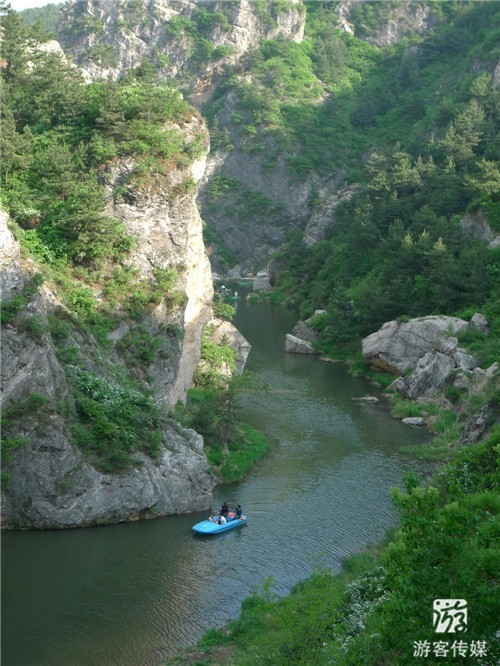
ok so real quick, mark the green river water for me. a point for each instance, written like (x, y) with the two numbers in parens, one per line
(132, 594)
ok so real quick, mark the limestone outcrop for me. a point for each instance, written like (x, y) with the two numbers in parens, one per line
(323, 218)
(429, 354)
(429, 376)
(117, 36)
(304, 332)
(226, 330)
(53, 486)
(402, 20)
(303, 336)
(51, 482)
(397, 346)
(167, 229)
(476, 225)
(12, 274)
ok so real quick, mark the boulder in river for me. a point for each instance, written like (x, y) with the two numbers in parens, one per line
(413, 420)
(367, 398)
(302, 331)
(397, 346)
(295, 345)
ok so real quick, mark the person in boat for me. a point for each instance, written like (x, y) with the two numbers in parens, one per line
(212, 518)
(238, 512)
(222, 520)
(224, 510)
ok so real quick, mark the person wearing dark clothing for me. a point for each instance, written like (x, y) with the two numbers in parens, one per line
(238, 512)
(224, 510)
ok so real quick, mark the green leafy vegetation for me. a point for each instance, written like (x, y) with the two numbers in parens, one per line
(229, 196)
(115, 421)
(223, 310)
(59, 134)
(396, 248)
(43, 20)
(232, 447)
(336, 102)
(198, 29)
(212, 407)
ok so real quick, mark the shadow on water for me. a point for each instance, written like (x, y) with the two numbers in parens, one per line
(132, 594)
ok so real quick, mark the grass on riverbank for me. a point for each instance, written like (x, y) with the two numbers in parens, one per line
(447, 546)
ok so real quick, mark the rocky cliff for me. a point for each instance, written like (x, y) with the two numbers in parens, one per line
(388, 22)
(199, 45)
(166, 226)
(249, 200)
(52, 366)
(189, 40)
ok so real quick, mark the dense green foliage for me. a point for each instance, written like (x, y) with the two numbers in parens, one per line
(232, 447)
(43, 19)
(381, 605)
(212, 407)
(114, 421)
(396, 248)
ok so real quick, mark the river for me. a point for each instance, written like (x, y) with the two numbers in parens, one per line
(132, 594)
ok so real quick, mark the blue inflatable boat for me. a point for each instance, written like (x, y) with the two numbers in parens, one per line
(207, 527)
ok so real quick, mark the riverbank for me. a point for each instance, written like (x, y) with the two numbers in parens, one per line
(136, 593)
(245, 445)
(379, 609)
(450, 394)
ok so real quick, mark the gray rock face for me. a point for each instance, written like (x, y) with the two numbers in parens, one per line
(168, 233)
(12, 274)
(477, 426)
(63, 490)
(480, 322)
(461, 381)
(301, 330)
(395, 347)
(446, 345)
(397, 385)
(463, 360)
(323, 218)
(475, 225)
(403, 20)
(52, 483)
(150, 28)
(294, 345)
(237, 341)
(429, 376)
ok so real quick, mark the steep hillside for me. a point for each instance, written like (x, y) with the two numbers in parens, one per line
(105, 294)
(278, 99)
